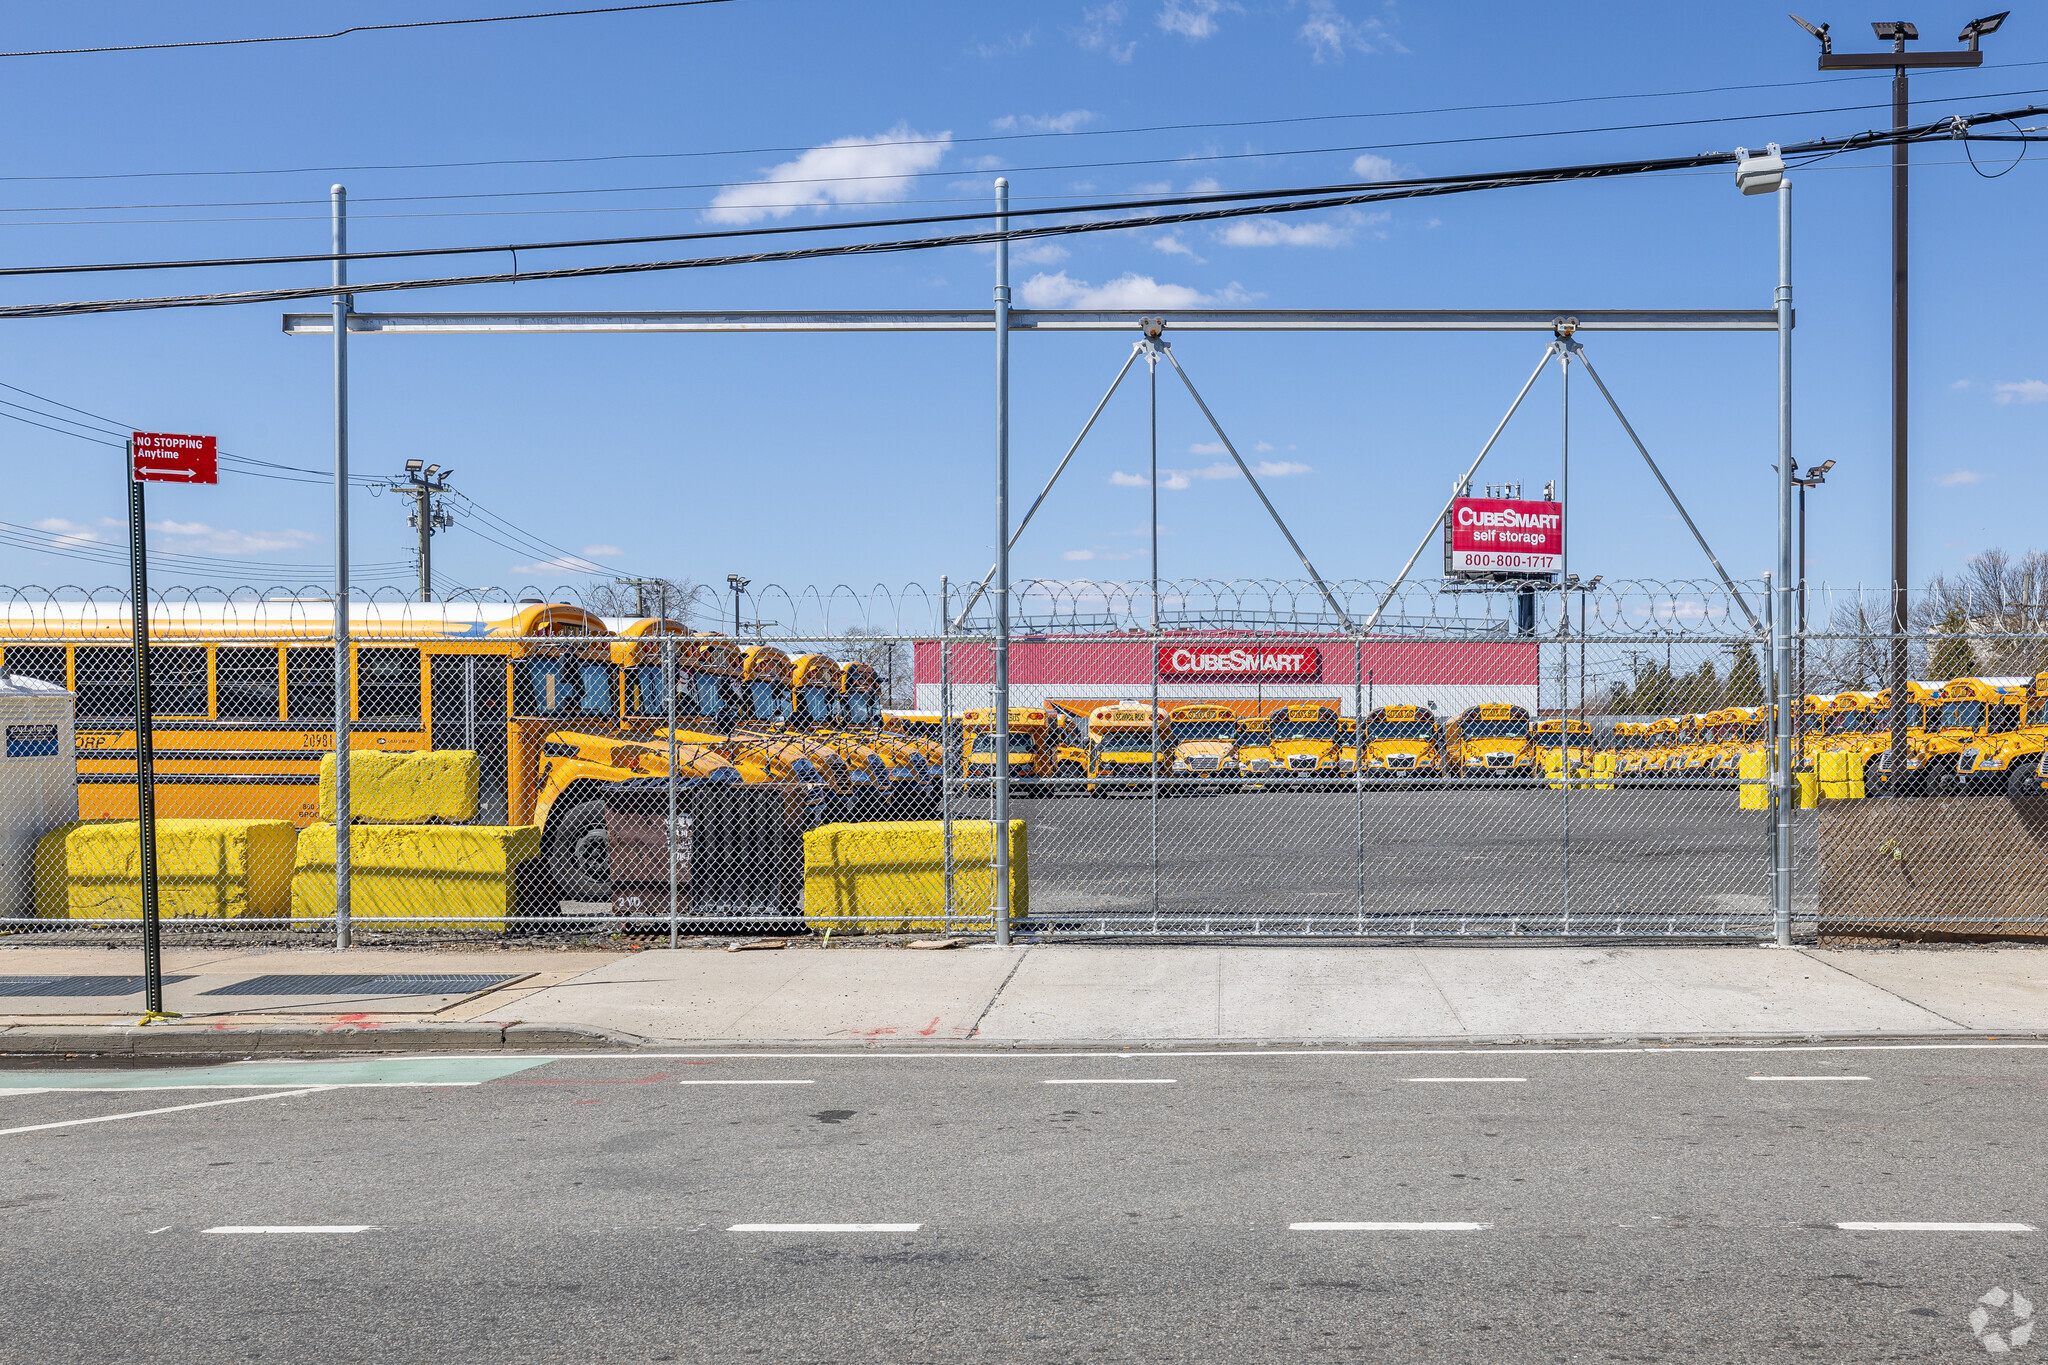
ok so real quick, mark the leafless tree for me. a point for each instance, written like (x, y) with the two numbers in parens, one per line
(682, 599)
(891, 660)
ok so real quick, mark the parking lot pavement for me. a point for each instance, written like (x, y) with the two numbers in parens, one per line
(1844, 1203)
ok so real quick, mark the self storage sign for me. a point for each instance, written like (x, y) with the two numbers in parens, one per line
(1240, 661)
(1504, 535)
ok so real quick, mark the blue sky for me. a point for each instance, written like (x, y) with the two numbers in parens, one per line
(861, 459)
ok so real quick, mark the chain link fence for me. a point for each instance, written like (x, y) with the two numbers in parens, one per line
(1584, 764)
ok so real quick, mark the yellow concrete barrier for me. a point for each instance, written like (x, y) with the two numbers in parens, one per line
(1603, 772)
(1830, 770)
(1752, 775)
(428, 786)
(398, 871)
(891, 873)
(1809, 790)
(206, 869)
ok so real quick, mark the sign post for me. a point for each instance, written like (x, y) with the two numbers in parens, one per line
(153, 457)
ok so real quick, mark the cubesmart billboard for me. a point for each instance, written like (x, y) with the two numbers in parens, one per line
(1504, 536)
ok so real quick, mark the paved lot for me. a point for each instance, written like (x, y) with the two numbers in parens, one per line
(1635, 1205)
(1648, 857)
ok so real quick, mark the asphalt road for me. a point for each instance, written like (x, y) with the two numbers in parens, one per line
(1644, 860)
(1641, 1206)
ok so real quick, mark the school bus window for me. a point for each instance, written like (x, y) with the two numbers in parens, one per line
(388, 686)
(1286, 727)
(649, 690)
(245, 683)
(1401, 729)
(817, 704)
(1495, 729)
(546, 687)
(594, 689)
(106, 686)
(860, 708)
(1185, 730)
(769, 700)
(1020, 743)
(715, 696)
(177, 680)
(309, 684)
(2005, 718)
(44, 663)
(1961, 715)
(1121, 741)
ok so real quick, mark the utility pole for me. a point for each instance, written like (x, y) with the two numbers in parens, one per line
(738, 586)
(1898, 33)
(660, 586)
(428, 514)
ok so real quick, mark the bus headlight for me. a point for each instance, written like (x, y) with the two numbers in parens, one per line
(1348, 764)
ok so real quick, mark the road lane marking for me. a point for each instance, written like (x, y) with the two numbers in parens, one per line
(173, 1109)
(1490, 1050)
(1113, 1080)
(290, 1230)
(1936, 1227)
(746, 1082)
(1467, 1080)
(1388, 1227)
(824, 1227)
(1809, 1078)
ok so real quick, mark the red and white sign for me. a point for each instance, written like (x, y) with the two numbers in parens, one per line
(1505, 535)
(1240, 661)
(162, 457)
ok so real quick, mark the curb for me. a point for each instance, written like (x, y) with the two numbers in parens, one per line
(187, 1041)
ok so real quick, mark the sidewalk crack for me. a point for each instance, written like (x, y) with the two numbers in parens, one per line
(997, 994)
(1885, 990)
(1437, 986)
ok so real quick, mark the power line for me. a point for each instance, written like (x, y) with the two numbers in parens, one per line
(1413, 189)
(360, 28)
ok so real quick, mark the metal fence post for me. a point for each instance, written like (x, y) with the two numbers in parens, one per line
(342, 671)
(946, 739)
(1786, 716)
(668, 687)
(1152, 647)
(999, 833)
(1359, 734)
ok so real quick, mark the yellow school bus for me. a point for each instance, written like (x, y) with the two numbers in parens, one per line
(1307, 739)
(1127, 746)
(1490, 741)
(1659, 747)
(1043, 745)
(1877, 766)
(1564, 746)
(2011, 762)
(1968, 716)
(1254, 750)
(1205, 744)
(1634, 743)
(1404, 742)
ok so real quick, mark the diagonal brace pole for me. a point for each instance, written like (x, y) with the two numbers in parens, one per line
(982, 587)
(1329, 597)
(1458, 489)
(1573, 348)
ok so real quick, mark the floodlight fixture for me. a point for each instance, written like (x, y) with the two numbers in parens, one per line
(1759, 172)
(1977, 28)
(1895, 31)
(1827, 44)
(412, 466)
(736, 583)
(432, 470)
(447, 474)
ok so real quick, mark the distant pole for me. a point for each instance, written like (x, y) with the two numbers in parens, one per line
(145, 736)
(1785, 715)
(425, 513)
(342, 308)
(1001, 832)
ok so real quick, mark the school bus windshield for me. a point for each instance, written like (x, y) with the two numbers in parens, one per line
(861, 708)
(1184, 730)
(1021, 742)
(1286, 727)
(767, 701)
(815, 704)
(1400, 729)
(1552, 739)
(1961, 715)
(564, 687)
(1495, 729)
(1125, 741)
(1848, 723)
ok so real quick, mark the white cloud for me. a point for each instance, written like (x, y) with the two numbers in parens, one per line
(1075, 555)
(1962, 384)
(1960, 476)
(561, 564)
(1044, 253)
(1098, 32)
(1330, 32)
(65, 533)
(1262, 445)
(1172, 245)
(852, 170)
(1280, 469)
(1206, 185)
(1123, 480)
(1370, 167)
(1098, 552)
(1191, 19)
(1009, 44)
(602, 552)
(1207, 448)
(1046, 123)
(2025, 391)
(198, 536)
(1250, 232)
(1175, 480)
(1128, 290)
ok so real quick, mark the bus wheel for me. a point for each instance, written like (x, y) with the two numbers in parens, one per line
(1873, 776)
(2022, 782)
(1072, 780)
(579, 853)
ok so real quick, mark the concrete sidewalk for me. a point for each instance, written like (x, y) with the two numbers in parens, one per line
(1039, 996)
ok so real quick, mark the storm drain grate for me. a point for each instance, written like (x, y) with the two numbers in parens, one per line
(333, 984)
(76, 985)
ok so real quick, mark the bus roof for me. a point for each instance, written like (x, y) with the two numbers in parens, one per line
(764, 662)
(1493, 710)
(1402, 713)
(860, 677)
(1563, 724)
(1982, 689)
(1121, 715)
(1202, 710)
(1307, 710)
(814, 670)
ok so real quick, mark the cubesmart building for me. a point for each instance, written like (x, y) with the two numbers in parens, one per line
(1445, 676)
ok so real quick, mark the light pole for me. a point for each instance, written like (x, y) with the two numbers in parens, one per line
(1898, 33)
(738, 586)
(428, 515)
(1813, 478)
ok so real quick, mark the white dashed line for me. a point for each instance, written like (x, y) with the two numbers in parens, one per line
(173, 1109)
(746, 1082)
(1936, 1227)
(1809, 1078)
(292, 1230)
(1117, 1080)
(1467, 1080)
(824, 1227)
(1388, 1227)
